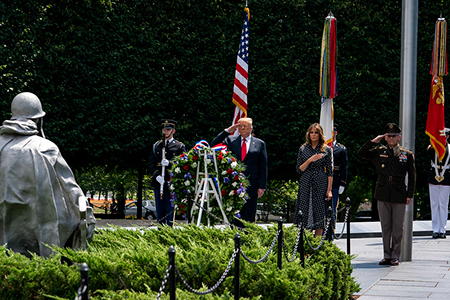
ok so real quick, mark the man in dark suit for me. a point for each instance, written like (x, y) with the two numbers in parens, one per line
(172, 148)
(393, 162)
(252, 152)
(340, 168)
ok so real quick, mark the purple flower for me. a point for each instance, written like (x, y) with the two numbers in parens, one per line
(188, 175)
(234, 173)
(185, 191)
(171, 174)
(229, 160)
(238, 215)
(226, 180)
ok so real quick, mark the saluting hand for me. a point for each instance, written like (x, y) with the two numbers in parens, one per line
(378, 139)
(232, 128)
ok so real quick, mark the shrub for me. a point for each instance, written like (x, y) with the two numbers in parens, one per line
(131, 264)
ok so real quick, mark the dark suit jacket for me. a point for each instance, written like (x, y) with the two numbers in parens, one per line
(392, 169)
(340, 166)
(255, 160)
(175, 148)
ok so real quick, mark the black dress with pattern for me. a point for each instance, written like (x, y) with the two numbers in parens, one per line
(312, 187)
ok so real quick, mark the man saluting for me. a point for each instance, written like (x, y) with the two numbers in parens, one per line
(252, 152)
(393, 162)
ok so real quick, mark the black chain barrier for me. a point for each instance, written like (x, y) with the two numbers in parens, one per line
(323, 237)
(164, 282)
(295, 246)
(347, 210)
(172, 269)
(265, 255)
(218, 283)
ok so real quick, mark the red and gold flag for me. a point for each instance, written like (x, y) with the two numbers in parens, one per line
(436, 117)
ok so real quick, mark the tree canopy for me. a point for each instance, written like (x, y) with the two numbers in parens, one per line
(108, 71)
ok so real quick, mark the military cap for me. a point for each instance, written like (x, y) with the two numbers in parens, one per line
(392, 128)
(168, 123)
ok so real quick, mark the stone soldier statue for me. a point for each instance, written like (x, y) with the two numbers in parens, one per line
(38, 193)
(163, 151)
(393, 163)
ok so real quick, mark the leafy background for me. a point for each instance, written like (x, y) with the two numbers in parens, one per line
(108, 71)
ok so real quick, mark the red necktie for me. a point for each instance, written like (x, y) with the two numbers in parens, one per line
(243, 150)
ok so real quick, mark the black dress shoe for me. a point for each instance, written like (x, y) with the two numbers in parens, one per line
(394, 262)
(385, 262)
(435, 235)
(442, 235)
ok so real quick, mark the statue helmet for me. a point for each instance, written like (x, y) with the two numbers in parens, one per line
(26, 106)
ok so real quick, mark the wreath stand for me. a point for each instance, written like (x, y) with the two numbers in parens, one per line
(206, 186)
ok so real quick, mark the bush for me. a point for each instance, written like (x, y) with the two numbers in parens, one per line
(131, 264)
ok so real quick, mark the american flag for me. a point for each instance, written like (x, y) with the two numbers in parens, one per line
(241, 75)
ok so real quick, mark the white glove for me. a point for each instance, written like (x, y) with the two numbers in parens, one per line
(165, 162)
(341, 189)
(160, 179)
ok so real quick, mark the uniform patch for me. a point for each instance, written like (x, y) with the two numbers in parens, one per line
(403, 157)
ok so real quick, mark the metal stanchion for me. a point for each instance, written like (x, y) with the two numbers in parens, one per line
(83, 291)
(172, 279)
(280, 243)
(237, 247)
(347, 205)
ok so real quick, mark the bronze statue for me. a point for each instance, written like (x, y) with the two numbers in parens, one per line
(38, 193)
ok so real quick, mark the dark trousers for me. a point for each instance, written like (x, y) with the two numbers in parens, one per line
(164, 207)
(248, 211)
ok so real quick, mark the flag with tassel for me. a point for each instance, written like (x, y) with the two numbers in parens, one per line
(435, 118)
(328, 77)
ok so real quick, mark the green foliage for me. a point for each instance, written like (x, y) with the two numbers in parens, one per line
(131, 264)
(108, 71)
(280, 197)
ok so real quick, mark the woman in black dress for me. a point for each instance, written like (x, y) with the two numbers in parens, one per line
(314, 164)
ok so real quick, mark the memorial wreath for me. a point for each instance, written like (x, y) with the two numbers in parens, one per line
(231, 182)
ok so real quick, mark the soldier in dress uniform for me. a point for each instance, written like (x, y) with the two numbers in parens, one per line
(439, 186)
(393, 162)
(340, 170)
(172, 148)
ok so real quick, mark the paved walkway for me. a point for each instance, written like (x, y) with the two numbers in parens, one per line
(426, 276)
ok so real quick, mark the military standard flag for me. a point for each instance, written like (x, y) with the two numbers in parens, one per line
(436, 117)
(328, 77)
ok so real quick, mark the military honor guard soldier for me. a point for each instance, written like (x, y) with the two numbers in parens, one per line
(163, 152)
(439, 187)
(393, 163)
(340, 171)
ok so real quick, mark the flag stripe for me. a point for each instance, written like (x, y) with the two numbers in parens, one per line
(240, 87)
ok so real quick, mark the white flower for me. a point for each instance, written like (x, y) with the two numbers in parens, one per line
(231, 193)
(187, 183)
(241, 195)
(224, 161)
(184, 200)
(224, 173)
(229, 208)
(177, 170)
(172, 187)
(234, 164)
(208, 161)
(234, 184)
(194, 164)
